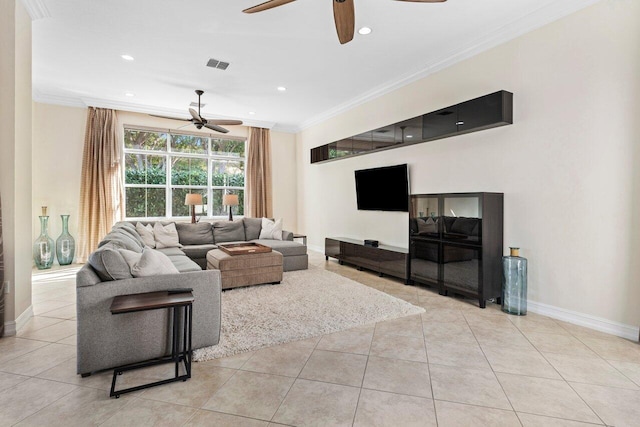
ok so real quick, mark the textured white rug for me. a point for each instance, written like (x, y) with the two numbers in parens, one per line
(307, 303)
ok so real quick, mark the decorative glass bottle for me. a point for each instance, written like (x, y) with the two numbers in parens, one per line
(514, 283)
(43, 247)
(65, 244)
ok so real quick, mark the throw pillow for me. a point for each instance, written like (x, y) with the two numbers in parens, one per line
(146, 234)
(427, 226)
(149, 263)
(166, 236)
(109, 264)
(271, 229)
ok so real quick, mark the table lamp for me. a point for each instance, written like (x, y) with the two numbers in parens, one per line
(230, 200)
(193, 200)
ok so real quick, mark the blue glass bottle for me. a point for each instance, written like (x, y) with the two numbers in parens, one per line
(43, 247)
(65, 244)
(514, 283)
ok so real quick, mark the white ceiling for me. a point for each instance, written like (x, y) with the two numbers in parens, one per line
(77, 48)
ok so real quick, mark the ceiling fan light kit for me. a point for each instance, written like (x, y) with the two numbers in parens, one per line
(343, 14)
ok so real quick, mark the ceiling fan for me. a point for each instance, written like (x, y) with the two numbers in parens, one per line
(343, 14)
(199, 121)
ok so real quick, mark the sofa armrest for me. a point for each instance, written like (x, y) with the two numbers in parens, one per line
(287, 235)
(106, 340)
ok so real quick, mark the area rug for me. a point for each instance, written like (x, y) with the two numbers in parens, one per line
(307, 303)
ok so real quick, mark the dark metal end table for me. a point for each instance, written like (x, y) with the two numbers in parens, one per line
(174, 301)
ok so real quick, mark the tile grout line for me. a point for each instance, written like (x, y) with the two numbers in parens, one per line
(493, 371)
(426, 352)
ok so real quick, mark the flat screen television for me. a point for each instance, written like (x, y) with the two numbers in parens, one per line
(383, 189)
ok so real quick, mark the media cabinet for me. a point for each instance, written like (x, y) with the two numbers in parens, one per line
(383, 259)
(455, 243)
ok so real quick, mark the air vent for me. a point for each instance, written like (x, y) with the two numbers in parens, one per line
(220, 65)
(195, 104)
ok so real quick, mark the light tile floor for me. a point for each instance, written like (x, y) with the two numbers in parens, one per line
(455, 365)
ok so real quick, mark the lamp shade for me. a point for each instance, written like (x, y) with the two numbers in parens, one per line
(230, 200)
(193, 199)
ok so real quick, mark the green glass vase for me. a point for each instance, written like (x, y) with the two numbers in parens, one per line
(514, 283)
(43, 247)
(65, 243)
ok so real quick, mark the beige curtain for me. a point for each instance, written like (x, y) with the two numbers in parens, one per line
(258, 198)
(101, 188)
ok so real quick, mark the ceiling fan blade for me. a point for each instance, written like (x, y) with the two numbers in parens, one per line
(345, 17)
(171, 118)
(216, 128)
(195, 115)
(221, 122)
(267, 5)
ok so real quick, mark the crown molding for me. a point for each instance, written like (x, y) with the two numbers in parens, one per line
(84, 102)
(66, 101)
(510, 31)
(37, 9)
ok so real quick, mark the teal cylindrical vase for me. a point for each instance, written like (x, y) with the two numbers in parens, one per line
(514, 283)
(65, 243)
(43, 247)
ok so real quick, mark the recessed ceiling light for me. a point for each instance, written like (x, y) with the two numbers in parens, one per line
(364, 31)
(252, 112)
(281, 88)
(127, 57)
(409, 136)
(129, 94)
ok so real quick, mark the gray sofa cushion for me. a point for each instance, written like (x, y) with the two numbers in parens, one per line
(198, 251)
(195, 234)
(123, 238)
(109, 264)
(228, 231)
(171, 251)
(128, 228)
(285, 247)
(252, 227)
(184, 264)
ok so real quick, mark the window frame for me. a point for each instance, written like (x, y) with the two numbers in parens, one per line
(168, 153)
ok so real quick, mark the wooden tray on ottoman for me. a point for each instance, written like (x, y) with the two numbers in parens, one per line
(244, 248)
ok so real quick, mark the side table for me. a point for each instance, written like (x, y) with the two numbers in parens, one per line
(174, 301)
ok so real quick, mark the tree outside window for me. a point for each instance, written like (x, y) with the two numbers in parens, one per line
(162, 168)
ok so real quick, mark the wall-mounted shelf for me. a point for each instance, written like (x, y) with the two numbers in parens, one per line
(485, 112)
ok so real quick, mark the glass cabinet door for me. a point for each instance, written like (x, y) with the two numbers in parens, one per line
(462, 219)
(461, 267)
(425, 257)
(423, 216)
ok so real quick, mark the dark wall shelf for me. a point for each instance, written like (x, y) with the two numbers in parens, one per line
(485, 112)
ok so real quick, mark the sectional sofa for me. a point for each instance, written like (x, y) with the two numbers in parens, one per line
(106, 341)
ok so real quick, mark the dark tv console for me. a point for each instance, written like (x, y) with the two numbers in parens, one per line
(383, 259)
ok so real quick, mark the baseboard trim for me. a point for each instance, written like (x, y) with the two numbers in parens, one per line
(11, 328)
(588, 321)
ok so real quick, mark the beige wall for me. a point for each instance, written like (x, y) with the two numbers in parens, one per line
(57, 162)
(15, 155)
(566, 165)
(58, 140)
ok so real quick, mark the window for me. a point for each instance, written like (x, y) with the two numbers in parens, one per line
(161, 168)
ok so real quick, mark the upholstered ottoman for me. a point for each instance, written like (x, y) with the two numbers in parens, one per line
(245, 270)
